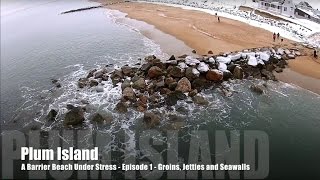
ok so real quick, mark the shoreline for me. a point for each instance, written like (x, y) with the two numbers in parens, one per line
(292, 77)
(168, 43)
(303, 72)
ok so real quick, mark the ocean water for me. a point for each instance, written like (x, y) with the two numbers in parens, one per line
(38, 44)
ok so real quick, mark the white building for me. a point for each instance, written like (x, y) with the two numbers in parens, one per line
(304, 10)
(283, 7)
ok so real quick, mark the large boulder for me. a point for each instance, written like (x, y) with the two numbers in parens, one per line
(173, 98)
(199, 83)
(70, 106)
(291, 56)
(91, 73)
(203, 67)
(285, 57)
(183, 56)
(200, 100)
(99, 88)
(82, 82)
(169, 81)
(171, 62)
(270, 67)
(143, 99)
(257, 88)
(287, 51)
(93, 83)
(252, 61)
(176, 72)
(191, 61)
(182, 65)
(172, 57)
(121, 107)
(141, 107)
(146, 67)
(227, 75)
(282, 63)
(274, 60)
(161, 65)
(74, 117)
(222, 67)
(125, 84)
(151, 119)
(116, 76)
(100, 73)
(165, 91)
(150, 58)
(268, 75)
(139, 84)
(225, 60)
(238, 72)
(52, 115)
(193, 93)
(264, 56)
(99, 118)
(192, 73)
(127, 71)
(214, 75)
(128, 94)
(105, 77)
(159, 84)
(184, 85)
(155, 72)
(172, 86)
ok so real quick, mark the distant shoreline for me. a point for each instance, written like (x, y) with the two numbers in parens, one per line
(226, 36)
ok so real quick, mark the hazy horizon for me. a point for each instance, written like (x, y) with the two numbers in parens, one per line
(314, 3)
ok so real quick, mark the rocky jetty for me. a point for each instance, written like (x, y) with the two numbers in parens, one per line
(82, 9)
(156, 83)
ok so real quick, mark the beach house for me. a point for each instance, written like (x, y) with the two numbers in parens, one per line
(282, 7)
(304, 10)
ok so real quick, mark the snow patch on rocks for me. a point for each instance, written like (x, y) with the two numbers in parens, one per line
(191, 61)
(225, 60)
(252, 61)
(203, 67)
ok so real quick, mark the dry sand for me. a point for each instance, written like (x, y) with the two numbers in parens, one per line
(199, 30)
(202, 32)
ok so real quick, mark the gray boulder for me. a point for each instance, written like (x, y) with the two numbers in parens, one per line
(128, 94)
(139, 84)
(52, 115)
(74, 117)
(121, 107)
(238, 72)
(151, 119)
(200, 100)
(184, 85)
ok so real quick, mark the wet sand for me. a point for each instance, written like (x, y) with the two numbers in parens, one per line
(306, 65)
(303, 71)
(202, 32)
(306, 82)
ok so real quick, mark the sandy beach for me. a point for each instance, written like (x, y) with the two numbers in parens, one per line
(203, 32)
